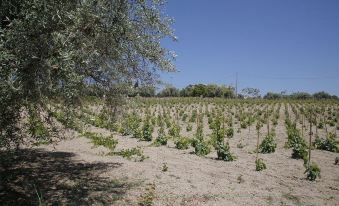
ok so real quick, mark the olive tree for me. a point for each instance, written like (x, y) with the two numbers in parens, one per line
(59, 49)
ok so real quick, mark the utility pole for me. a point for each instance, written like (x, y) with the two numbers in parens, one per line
(236, 85)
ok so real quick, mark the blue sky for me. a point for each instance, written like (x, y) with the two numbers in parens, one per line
(273, 45)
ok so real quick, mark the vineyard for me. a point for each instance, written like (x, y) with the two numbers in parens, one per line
(95, 109)
(191, 151)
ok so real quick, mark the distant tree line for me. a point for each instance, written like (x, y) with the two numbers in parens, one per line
(198, 90)
(213, 90)
(300, 95)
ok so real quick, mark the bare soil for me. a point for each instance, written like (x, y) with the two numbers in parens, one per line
(194, 180)
(75, 172)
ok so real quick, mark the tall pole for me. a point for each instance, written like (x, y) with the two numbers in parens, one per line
(310, 143)
(236, 85)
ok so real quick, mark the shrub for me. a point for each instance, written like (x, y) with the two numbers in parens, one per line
(136, 154)
(243, 125)
(320, 125)
(161, 139)
(313, 172)
(299, 151)
(223, 152)
(147, 132)
(293, 137)
(217, 135)
(184, 117)
(296, 142)
(182, 143)
(174, 131)
(199, 133)
(37, 129)
(328, 144)
(68, 120)
(137, 133)
(153, 121)
(100, 121)
(189, 128)
(130, 125)
(168, 122)
(230, 132)
(100, 140)
(260, 165)
(147, 199)
(332, 123)
(194, 116)
(268, 145)
(201, 148)
(210, 122)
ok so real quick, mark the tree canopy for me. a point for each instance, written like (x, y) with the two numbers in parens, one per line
(198, 90)
(62, 48)
(251, 92)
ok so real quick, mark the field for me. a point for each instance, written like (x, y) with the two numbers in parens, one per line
(186, 151)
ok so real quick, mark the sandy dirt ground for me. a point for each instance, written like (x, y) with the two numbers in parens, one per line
(74, 172)
(194, 180)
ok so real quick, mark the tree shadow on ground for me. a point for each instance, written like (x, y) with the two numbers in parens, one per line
(39, 177)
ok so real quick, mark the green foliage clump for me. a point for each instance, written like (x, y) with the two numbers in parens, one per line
(331, 123)
(260, 164)
(189, 128)
(296, 142)
(320, 125)
(229, 132)
(243, 125)
(100, 140)
(147, 130)
(137, 133)
(268, 145)
(174, 131)
(299, 150)
(149, 196)
(193, 116)
(313, 172)
(101, 120)
(130, 125)
(299, 147)
(37, 129)
(217, 134)
(182, 143)
(293, 137)
(184, 117)
(136, 154)
(328, 144)
(161, 139)
(223, 152)
(68, 119)
(201, 148)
